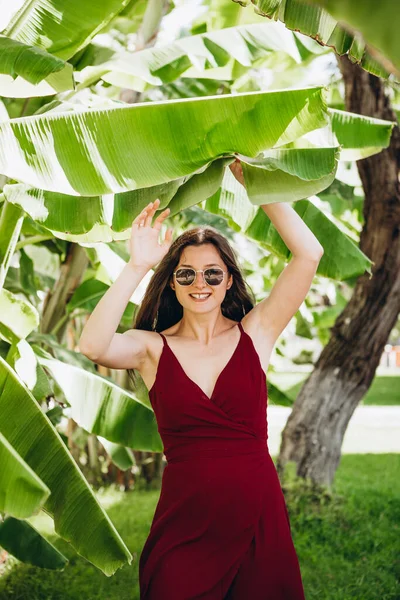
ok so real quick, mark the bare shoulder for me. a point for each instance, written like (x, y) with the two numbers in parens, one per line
(150, 341)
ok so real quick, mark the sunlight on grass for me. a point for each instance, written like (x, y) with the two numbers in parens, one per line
(348, 547)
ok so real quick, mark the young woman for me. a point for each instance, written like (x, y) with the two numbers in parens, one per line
(221, 529)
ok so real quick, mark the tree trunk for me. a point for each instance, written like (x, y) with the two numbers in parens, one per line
(71, 274)
(314, 432)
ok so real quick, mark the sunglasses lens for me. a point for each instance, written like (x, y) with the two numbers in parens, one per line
(213, 276)
(185, 276)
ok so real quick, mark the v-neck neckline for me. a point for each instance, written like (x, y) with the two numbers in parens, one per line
(238, 324)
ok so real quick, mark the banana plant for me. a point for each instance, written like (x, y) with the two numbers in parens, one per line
(212, 54)
(320, 19)
(32, 443)
(139, 146)
(23, 541)
(58, 27)
(23, 67)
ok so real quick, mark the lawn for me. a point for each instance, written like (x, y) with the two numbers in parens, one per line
(348, 545)
(384, 390)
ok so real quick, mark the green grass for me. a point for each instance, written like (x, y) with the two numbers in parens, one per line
(384, 390)
(348, 545)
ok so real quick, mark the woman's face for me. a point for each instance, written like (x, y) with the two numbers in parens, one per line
(201, 257)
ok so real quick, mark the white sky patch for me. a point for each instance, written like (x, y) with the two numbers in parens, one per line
(179, 18)
(8, 10)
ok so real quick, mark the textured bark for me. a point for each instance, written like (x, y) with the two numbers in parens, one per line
(314, 432)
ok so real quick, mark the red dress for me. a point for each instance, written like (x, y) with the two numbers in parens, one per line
(221, 529)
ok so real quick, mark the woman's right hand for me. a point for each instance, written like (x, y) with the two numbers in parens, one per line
(145, 249)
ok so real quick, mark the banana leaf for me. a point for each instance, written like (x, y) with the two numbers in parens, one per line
(358, 135)
(109, 217)
(96, 152)
(289, 174)
(122, 457)
(11, 219)
(18, 317)
(21, 64)
(229, 199)
(23, 360)
(24, 542)
(314, 21)
(190, 56)
(102, 407)
(78, 517)
(378, 22)
(22, 492)
(342, 259)
(59, 27)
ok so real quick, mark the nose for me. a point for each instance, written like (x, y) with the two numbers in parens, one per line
(199, 281)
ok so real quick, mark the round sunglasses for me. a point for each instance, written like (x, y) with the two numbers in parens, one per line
(187, 275)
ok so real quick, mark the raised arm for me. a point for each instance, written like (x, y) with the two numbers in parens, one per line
(271, 315)
(99, 340)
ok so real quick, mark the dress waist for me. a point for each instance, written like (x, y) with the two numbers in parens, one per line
(213, 448)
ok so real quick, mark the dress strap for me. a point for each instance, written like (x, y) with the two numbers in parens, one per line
(241, 326)
(163, 338)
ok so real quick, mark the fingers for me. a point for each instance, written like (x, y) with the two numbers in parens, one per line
(145, 216)
(151, 209)
(140, 218)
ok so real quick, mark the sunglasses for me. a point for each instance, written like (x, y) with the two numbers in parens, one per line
(187, 275)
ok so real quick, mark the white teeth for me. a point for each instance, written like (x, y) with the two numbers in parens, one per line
(199, 296)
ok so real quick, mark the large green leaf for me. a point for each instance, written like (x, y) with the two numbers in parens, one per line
(122, 457)
(342, 259)
(21, 64)
(102, 407)
(88, 294)
(289, 174)
(379, 22)
(131, 147)
(192, 56)
(23, 360)
(11, 219)
(77, 515)
(22, 492)
(109, 217)
(314, 21)
(18, 317)
(231, 200)
(25, 543)
(360, 136)
(59, 27)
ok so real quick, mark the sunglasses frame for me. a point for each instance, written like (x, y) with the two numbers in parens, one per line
(200, 271)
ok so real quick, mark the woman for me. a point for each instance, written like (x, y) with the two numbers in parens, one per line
(221, 530)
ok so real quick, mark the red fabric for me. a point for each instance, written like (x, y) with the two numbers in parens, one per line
(220, 530)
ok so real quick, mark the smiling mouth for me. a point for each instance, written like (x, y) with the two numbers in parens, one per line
(199, 296)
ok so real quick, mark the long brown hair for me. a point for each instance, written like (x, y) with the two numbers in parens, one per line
(160, 309)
